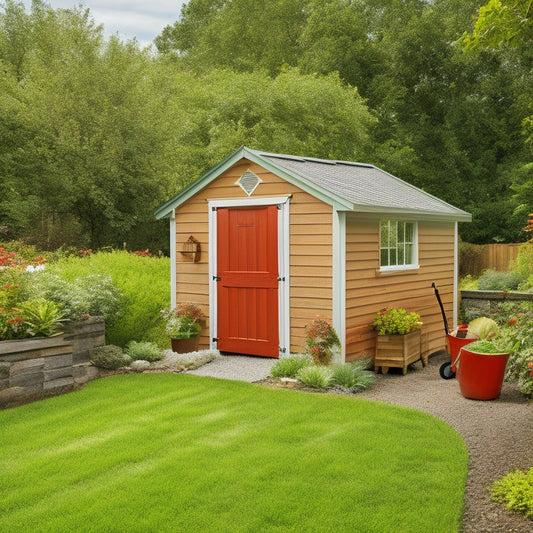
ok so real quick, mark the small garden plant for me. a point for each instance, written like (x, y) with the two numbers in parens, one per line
(109, 357)
(516, 490)
(145, 351)
(349, 377)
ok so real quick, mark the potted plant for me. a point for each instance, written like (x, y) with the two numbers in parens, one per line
(481, 369)
(399, 338)
(183, 327)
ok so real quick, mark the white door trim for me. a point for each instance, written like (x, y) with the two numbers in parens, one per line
(173, 256)
(283, 263)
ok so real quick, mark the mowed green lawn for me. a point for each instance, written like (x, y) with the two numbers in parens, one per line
(174, 452)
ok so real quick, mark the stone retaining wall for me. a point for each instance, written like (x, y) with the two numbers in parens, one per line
(35, 368)
(485, 302)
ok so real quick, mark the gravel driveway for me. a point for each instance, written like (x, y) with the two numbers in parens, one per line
(498, 433)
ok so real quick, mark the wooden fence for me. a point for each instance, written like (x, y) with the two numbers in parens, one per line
(474, 258)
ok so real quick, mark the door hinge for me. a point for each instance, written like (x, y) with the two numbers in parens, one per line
(216, 278)
(214, 339)
(283, 350)
(281, 278)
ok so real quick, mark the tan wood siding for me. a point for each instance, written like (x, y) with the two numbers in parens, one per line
(368, 290)
(310, 247)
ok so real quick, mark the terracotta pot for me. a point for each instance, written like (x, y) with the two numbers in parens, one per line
(185, 345)
(480, 375)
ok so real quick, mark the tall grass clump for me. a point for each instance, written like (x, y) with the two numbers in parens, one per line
(290, 366)
(315, 376)
(353, 377)
(143, 282)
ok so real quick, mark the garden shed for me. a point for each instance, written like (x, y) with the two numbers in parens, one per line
(265, 243)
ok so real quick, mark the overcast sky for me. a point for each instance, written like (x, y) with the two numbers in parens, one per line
(143, 19)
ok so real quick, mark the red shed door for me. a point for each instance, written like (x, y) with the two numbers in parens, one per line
(247, 285)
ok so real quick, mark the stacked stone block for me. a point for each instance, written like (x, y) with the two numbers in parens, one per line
(35, 368)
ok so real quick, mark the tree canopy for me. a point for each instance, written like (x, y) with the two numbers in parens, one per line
(96, 133)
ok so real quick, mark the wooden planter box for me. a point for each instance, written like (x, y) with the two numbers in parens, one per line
(398, 351)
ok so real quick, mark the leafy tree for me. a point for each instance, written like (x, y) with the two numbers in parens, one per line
(291, 113)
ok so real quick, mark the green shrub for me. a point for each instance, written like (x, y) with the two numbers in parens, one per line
(516, 334)
(317, 377)
(516, 489)
(93, 294)
(145, 286)
(290, 366)
(524, 265)
(109, 357)
(353, 376)
(492, 280)
(146, 351)
(470, 258)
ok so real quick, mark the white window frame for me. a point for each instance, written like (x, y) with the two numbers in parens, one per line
(413, 265)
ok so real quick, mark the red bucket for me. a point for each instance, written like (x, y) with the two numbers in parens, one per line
(455, 344)
(480, 375)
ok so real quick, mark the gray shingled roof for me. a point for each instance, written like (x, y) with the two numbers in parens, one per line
(347, 186)
(364, 185)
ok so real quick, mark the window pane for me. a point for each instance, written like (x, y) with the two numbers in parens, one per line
(384, 233)
(401, 255)
(408, 254)
(409, 232)
(384, 257)
(401, 232)
(393, 257)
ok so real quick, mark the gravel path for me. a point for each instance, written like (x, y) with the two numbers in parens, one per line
(237, 367)
(498, 433)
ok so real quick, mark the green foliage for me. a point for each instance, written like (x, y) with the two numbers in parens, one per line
(315, 376)
(395, 321)
(321, 341)
(288, 367)
(354, 376)
(93, 294)
(485, 347)
(470, 259)
(109, 357)
(146, 351)
(97, 133)
(43, 318)
(492, 280)
(516, 490)
(144, 285)
(524, 265)
(516, 337)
